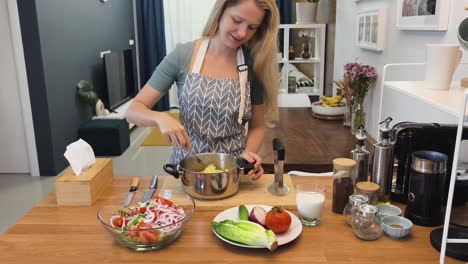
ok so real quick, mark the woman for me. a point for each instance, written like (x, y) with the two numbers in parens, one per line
(218, 93)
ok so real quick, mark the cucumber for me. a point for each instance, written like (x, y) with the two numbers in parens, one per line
(243, 213)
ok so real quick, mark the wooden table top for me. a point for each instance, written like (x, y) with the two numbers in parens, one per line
(311, 144)
(72, 234)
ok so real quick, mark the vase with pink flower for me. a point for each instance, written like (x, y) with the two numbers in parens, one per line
(345, 89)
(361, 77)
(306, 44)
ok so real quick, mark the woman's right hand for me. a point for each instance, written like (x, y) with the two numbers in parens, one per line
(140, 114)
(173, 131)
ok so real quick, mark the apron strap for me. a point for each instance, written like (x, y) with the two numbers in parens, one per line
(200, 55)
(243, 74)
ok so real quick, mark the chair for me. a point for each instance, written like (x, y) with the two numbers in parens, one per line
(294, 100)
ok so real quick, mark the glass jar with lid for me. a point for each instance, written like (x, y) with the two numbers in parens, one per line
(368, 189)
(343, 183)
(365, 223)
(352, 207)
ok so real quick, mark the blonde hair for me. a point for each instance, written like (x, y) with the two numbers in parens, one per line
(263, 47)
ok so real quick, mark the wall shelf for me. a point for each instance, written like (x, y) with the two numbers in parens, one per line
(317, 61)
(445, 100)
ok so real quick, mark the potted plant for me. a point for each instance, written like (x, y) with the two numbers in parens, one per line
(306, 11)
(88, 95)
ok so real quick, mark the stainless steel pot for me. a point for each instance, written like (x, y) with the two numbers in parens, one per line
(210, 186)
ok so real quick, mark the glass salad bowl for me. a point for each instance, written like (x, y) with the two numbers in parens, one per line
(148, 225)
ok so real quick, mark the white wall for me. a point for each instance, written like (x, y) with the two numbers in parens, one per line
(13, 141)
(400, 46)
(184, 21)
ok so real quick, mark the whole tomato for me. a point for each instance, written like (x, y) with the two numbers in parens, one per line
(278, 220)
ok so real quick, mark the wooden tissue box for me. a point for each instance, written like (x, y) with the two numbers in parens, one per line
(86, 188)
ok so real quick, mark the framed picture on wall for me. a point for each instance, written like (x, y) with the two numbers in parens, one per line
(371, 29)
(423, 14)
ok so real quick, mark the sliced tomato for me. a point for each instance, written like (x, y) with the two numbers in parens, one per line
(135, 212)
(143, 226)
(133, 234)
(118, 221)
(148, 237)
(142, 210)
(147, 233)
(163, 201)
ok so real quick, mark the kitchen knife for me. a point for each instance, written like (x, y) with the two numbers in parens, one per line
(152, 187)
(128, 198)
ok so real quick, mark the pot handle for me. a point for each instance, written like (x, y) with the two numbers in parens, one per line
(172, 170)
(245, 166)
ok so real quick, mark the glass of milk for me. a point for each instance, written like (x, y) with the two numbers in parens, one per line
(310, 198)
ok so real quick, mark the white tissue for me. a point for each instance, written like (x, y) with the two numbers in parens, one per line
(80, 155)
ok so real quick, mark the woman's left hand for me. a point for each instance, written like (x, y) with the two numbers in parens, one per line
(251, 157)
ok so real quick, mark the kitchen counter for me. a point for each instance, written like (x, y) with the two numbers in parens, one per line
(311, 144)
(72, 234)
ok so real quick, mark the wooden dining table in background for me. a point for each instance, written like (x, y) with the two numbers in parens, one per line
(72, 234)
(311, 144)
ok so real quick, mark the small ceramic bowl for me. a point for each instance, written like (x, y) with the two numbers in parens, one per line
(396, 226)
(387, 209)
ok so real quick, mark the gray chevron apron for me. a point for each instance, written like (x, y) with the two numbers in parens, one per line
(214, 111)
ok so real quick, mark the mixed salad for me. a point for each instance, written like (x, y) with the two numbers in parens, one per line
(138, 224)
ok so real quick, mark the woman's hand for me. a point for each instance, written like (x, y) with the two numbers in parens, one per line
(173, 131)
(251, 157)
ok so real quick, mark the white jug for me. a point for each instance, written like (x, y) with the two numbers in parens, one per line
(441, 62)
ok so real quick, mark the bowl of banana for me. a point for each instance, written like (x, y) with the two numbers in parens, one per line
(330, 106)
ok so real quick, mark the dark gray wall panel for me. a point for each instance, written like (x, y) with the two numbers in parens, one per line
(71, 36)
(37, 88)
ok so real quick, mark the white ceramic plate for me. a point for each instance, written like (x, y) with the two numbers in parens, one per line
(233, 214)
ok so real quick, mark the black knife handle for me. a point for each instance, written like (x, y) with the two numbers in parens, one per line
(279, 147)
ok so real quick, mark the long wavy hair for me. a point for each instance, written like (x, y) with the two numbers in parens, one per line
(263, 47)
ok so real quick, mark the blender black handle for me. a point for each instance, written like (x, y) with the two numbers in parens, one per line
(279, 147)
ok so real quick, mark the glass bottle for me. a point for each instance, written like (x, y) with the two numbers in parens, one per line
(358, 118)
(361, 156)
(291, 53)
(352, 207)
(343, 183)
(349, 111)
(365, 223)
(369, 189)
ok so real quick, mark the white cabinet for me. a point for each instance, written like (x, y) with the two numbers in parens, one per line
(317, 60)
(451, 104)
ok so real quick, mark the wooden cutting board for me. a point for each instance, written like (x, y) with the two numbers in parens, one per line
(251, 192)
